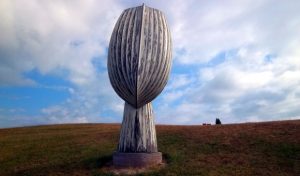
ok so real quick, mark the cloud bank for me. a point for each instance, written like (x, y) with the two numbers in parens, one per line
(237, 60)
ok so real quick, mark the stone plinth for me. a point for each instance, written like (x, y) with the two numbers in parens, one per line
(136, 159)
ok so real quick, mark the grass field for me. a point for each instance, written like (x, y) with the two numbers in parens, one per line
(271, 148)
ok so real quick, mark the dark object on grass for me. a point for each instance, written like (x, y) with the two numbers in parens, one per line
(205, 124)
(218, 121)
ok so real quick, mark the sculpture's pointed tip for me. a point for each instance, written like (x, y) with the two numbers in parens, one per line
(143, 6)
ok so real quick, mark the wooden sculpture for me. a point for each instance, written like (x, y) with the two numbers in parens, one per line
(139, 62)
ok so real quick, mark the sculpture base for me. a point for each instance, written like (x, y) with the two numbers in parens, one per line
(136, 159)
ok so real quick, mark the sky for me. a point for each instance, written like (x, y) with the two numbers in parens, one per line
(234, 60)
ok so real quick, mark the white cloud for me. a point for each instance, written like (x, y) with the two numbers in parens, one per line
(179, 81)
(204, 29)
(237, 92)
(54, 35)
(90, 101)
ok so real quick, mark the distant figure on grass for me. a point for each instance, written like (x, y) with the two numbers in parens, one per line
(218, 121)
(205, 124)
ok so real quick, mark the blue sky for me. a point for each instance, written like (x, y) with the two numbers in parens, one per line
(235, 60)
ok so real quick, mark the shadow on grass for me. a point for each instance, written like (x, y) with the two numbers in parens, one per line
(84, 166)
(167, 158)
(97, 162)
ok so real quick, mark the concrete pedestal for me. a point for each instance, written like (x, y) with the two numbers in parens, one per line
(136, 159)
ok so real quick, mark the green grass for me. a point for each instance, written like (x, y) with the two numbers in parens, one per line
(85, 149)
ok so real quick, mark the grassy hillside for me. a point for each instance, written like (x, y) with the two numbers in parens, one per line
(271, 148)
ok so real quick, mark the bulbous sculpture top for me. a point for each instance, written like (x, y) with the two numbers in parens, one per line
(139, 57)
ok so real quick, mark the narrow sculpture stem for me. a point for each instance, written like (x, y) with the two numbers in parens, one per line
(138, 130)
